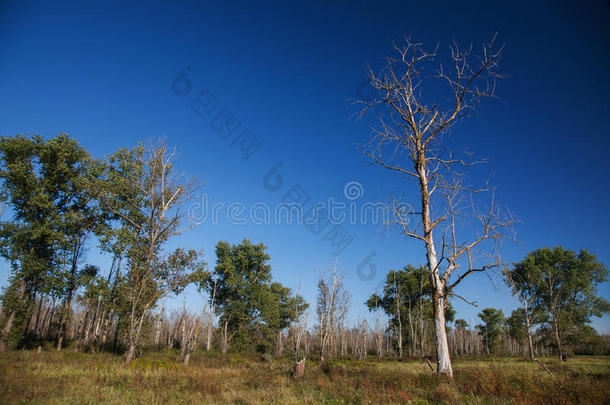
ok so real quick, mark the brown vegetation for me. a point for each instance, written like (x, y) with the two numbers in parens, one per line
(68, 377)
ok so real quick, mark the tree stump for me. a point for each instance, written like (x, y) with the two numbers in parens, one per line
(299, 369)
(38, 350)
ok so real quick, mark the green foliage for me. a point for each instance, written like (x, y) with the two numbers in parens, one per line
(562, 285)
(517, 324)
(493, 327)
(143, 199)
(43, 183)
(460, 324)
(245, 296)
(409, 292)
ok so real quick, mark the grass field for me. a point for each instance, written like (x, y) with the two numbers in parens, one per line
(75, 378)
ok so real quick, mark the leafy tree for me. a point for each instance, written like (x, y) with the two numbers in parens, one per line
(65, 167)
(563, 284)
(145, 195)
(585, 340)
(460, 324)
(407, 300)
(493, 327)
(252, 308)
(43, 183)
(517, 325)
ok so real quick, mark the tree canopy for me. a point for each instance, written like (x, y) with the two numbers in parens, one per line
(252, 306)
(563, 287)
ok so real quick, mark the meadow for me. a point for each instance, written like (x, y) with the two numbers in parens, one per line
(69, 377)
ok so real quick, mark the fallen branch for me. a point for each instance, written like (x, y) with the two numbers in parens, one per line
(430, 365)
(545, 368)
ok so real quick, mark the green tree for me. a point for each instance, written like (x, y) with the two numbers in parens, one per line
(51, 217)
(141, 190)
(493, 327)
(252, 308)
(460, 324)
(407, 300)
(563, 285)
(65, 169)
(517, 325)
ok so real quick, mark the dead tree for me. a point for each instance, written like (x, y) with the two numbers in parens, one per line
(158, 325)
(378, 334)
(332, 305)
(300, 329)
(410, 141)
(190, 326)
(209, 320)
(226, 337)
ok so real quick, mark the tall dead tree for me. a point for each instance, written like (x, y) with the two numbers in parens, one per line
(411, 140)
(332, 305)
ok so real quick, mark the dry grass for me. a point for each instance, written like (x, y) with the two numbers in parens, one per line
(74, 378)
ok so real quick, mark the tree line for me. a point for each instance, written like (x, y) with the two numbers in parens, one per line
(132, 202)
(557, 291)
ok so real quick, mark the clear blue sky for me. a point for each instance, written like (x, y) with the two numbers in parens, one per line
(103, 73)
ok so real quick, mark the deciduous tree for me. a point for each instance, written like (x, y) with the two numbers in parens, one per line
(143, 190)
(252, 308)
(563, 287)
(411, 140)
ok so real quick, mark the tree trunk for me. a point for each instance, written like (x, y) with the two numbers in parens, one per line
(63, 322)
(130, 353)
(11, 319)
(6, 330)
(529, 332)
(208, 341)
(38, 316)
(443, 361)
(557, 337)
(225, 338)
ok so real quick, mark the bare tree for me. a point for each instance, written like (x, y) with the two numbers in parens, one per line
(411, 141)
(226, 337)
(190, 326)
(209, 320)
(158, 325)
(299, 328)
(333, 303)
(378, 333)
